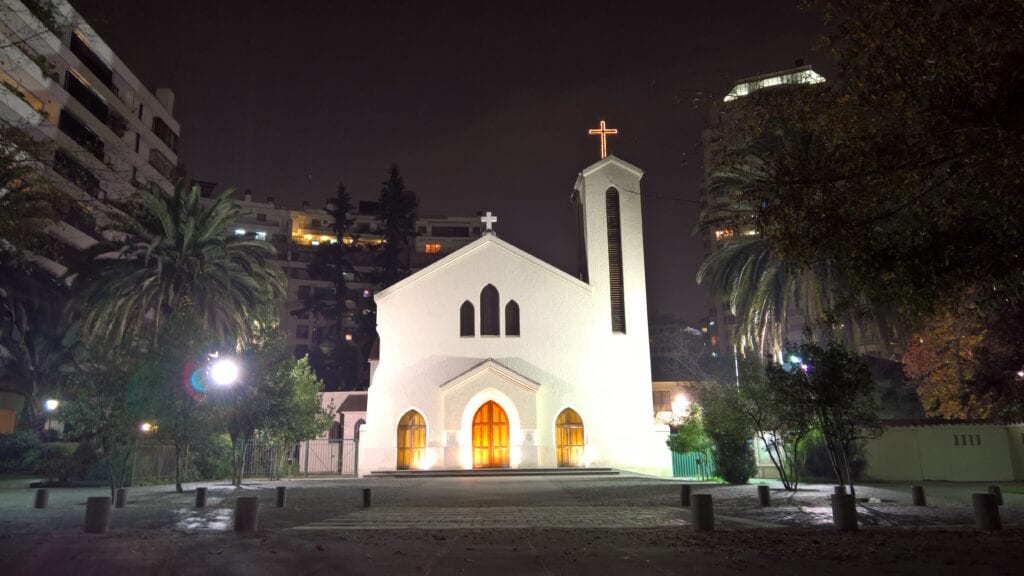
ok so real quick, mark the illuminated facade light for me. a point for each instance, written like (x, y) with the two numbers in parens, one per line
(315, 243)
(239, 231)
(723, 234)
(432, 247)
(348, 337)
(261, 235)
(748, 87)
(52, 405)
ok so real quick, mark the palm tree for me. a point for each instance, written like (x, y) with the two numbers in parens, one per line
(170, 251)
(765, 291)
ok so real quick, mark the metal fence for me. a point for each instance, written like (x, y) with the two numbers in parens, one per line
(700, 465)
(255, 459)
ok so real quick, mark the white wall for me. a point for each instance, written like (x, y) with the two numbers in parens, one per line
(948, 452)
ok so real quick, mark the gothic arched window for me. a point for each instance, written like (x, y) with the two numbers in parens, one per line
(466, 320)
(489, 320)
(511, 318)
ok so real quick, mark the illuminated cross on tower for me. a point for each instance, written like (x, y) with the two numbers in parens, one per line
(603, 132)
(488, 220)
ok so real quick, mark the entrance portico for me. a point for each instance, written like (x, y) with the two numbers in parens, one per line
(490, 415)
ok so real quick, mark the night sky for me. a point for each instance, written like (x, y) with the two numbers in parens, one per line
(484, 106)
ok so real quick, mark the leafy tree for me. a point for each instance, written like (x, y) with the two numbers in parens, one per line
(921, 204)
(729, 431)
(688, 434)
(278, 399)
(836, 387)
(104, 405)
(398, 222)
(171, 251)
(174, 376)
(333, 358)
(30, 202)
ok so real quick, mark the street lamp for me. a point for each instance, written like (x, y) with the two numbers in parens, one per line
(224, 372)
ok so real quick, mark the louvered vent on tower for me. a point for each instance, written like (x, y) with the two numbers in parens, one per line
(615, 261)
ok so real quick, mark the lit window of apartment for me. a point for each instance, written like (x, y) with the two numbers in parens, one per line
(432, 247)
(723, 234)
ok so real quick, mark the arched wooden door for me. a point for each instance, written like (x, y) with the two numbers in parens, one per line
(412, 440)
(569, 438)
(490, 437)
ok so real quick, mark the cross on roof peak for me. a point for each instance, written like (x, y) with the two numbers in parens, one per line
(603, 132)
(488, 220)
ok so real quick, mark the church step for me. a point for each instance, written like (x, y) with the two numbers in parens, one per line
(487, 472)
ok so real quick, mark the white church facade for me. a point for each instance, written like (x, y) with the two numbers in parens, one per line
(492, 358)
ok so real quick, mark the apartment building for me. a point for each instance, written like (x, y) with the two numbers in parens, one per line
(100, 131)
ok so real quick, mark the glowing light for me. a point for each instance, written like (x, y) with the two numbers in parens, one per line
(1020, 373)
(680, 406)
(315, 242)
(603, 132)
(261, 235)
(52, 404)
(224, 372)
(426, 461)
(348, 337)
(753, 85)
(794, 359)
(148, 427)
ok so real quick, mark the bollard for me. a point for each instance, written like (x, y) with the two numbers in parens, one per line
(844, 512)
(986, 512)
(839, 489)
(703, 513)
(247, 513)
(917, 495)
(97, 514)
(42, 498)
(684, 495)
(201, 497)
(280, 496)
(764, 495)
(120, 498)
(366, 497)
(995, 489)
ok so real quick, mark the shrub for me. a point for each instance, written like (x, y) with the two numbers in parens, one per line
(817, 464)
(734, 458)
(19, 451)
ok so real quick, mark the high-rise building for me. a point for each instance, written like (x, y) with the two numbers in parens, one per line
(728, 129)
(100, 132)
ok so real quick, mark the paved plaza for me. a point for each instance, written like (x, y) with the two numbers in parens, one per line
(534, 525)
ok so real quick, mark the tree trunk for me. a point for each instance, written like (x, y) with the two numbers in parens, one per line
(177, 467)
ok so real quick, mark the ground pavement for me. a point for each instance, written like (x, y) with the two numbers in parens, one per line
(536, 525)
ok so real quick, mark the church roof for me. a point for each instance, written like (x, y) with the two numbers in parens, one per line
(354, 403)
(485, 241)
(611, 159)
(493, 366)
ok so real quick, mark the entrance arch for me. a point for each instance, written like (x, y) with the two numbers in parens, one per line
(490, 436)
(412, 440)
(569, 439)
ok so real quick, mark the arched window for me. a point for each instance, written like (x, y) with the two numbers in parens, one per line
(511, 318)
(489, 320)
(466, 319)
(615, 284)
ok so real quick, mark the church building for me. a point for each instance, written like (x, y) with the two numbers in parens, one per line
(492, 358)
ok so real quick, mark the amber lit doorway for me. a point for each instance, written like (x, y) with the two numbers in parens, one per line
(490, 437)
(412, 440)
(569, 438)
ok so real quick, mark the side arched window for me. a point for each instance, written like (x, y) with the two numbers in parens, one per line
(466, 319)
(511, 318)
(489, 320)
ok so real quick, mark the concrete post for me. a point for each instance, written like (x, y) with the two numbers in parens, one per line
(841, 489)
(986, 512)
(995, 489)
(844, 512)
(917, 495)
(280, 496)
(702, 513)
(42, 498)
(684, 495)
(97, 514)
(201, 497)
(764, 495)
(120, 498)
(247, 513)
(366, 497)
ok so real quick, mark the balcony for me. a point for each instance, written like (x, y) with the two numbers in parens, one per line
(164, 133)
(93, 62)
(81, 134)
(92, 102)
(73, 170)
(162, 165)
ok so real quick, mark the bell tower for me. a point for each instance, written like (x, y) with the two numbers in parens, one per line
(611, 226)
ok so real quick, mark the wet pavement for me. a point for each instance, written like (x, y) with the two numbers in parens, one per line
(632, 524)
